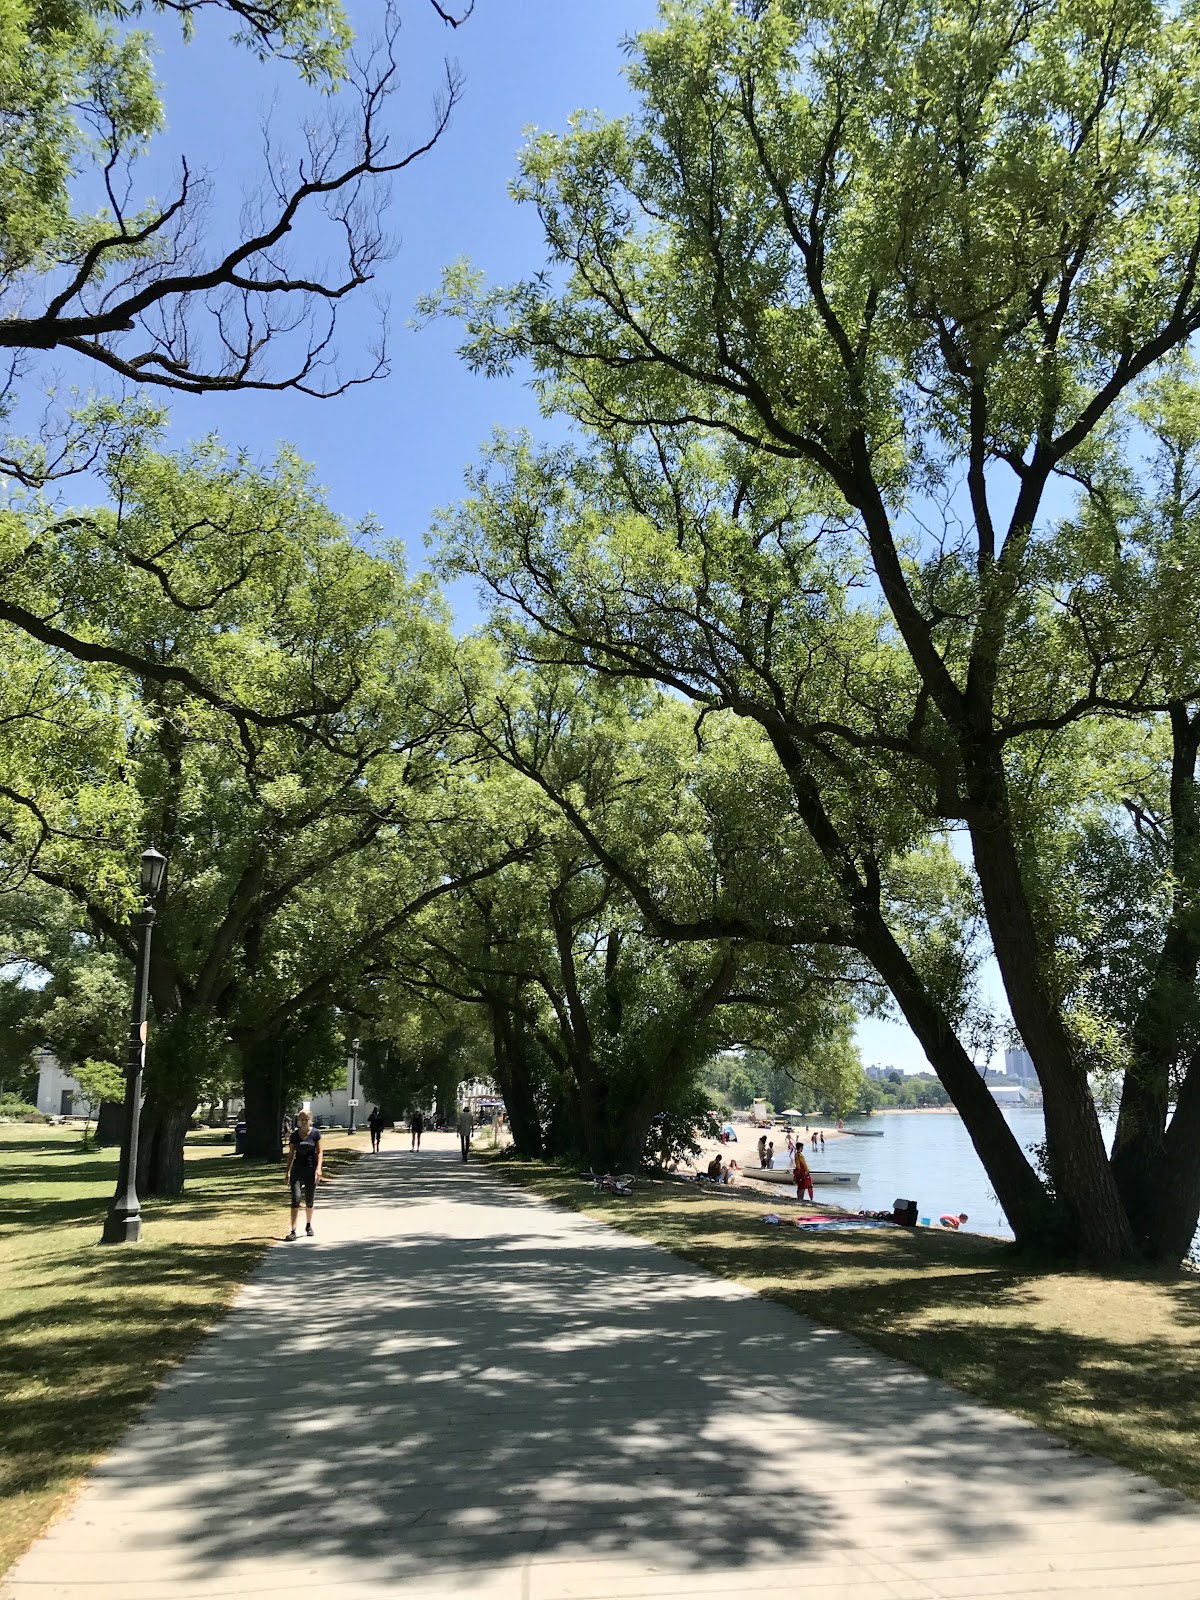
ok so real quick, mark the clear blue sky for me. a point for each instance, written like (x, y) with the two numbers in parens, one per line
(398, 448)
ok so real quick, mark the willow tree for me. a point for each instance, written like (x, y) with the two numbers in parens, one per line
(690, 568)
(273, 711)
(614, 951)
(920, 252)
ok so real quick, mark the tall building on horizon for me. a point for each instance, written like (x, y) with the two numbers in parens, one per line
(1018, 1066)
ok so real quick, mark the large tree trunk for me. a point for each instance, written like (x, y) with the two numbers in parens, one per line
(110, 1123)
(514, 1075)
(587, 1103)
(1076, 1157)
(1139, 1157)
(635, 1134)
(1022, 1195)
(1158, 1173)
(261, 1090)
(161, 1134)
(1018, 1187)
(1170, 1193)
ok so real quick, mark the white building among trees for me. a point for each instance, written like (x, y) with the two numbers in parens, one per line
(58, 1094)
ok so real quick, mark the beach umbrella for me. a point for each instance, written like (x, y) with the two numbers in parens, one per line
(791, 1113)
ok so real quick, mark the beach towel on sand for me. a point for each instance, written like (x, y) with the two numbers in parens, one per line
(839, 1224)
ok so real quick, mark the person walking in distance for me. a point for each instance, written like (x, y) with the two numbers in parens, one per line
(416, 1126)
(466, 1123)
(375, 1123)
(304, 1169)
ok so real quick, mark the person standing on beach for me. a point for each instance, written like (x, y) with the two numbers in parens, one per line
(801, 1175)
(304, 1169)
(466, 1123)
(416, 1126)
(375, 1124)
(762, 1151)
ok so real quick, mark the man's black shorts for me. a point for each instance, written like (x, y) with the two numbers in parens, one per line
(303, 1189)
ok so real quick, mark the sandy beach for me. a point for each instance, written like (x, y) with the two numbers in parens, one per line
(745, 1153)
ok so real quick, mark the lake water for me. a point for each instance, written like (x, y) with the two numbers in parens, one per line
(924, 1156)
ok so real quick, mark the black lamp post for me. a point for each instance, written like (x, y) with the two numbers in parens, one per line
(123, 1224)
(353, 1086)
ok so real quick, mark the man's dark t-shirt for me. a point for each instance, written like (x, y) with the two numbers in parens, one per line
(304, 1153)
(418, 1122)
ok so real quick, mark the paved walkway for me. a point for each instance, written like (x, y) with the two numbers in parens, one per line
(458, 1390)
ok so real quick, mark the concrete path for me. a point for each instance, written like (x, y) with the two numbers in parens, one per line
(458, 1390)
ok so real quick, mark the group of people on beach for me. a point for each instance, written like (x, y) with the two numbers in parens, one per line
(305, 1155)
(766, 1148)
(719, 1171)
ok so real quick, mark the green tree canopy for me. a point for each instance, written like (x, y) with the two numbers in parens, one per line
(920, 257)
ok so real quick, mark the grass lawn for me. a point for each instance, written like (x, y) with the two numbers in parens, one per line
(1111, 1363)
(88, 1331)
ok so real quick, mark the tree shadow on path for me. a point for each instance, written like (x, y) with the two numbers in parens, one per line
(498, 1382)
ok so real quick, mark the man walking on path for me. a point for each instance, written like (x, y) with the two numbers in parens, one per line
(416, 1126)
(375, 1123)
(304, 1169)
(466, 1123)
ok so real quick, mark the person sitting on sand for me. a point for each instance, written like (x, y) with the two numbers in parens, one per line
(801, 1174)
(731, 1172)
(716, 1167)
(949, 1221)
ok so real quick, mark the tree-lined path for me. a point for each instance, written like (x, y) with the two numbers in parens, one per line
(458, 1389)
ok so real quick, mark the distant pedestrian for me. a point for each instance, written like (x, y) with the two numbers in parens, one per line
(822, 1139)
(791, 1143)
(416, 1126)
(304, 1169)
(375, 1124)
(769, 1162)
(801, 1175)
(762, 1151)
(466, 1123)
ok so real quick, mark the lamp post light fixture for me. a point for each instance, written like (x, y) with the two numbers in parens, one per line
(123, 1224)
(353, 1086)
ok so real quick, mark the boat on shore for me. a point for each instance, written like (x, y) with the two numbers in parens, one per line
(864, 1133)
(822, 1177)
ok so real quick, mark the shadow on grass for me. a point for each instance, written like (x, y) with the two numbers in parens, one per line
(969, 1310)
(88, 1331)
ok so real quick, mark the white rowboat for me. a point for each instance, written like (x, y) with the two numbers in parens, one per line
(823, 1178)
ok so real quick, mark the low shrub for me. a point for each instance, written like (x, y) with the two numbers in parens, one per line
(18, 1110)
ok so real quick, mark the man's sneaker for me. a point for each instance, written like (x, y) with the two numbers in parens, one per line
(288, 1237)
(308, 1231)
